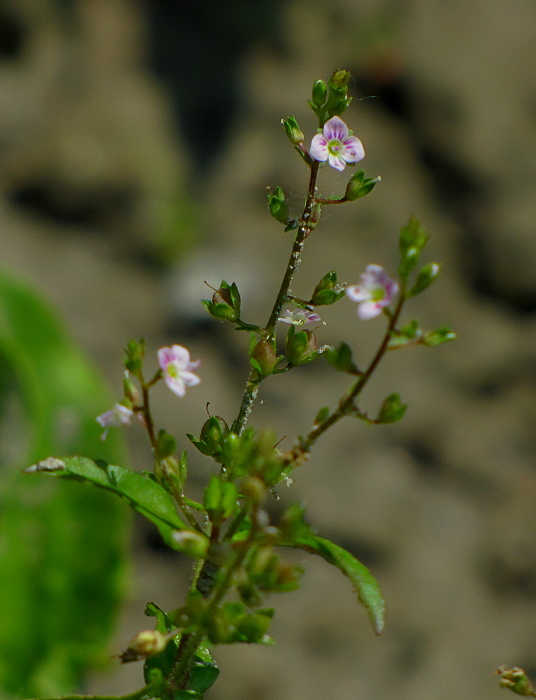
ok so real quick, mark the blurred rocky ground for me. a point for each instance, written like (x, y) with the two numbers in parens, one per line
(137, 141)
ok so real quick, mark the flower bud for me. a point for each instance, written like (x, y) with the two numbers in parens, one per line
(293, 131)
(167, 445)
(253, 489)
(130, 390)
(277, 204)
(327, 291)
(440, 335)
(392, 409)
(144, 644)
(516, 680)
(426, 276)
(359, 186)
(135, 352)
(339, 79)
(301, 346)
(225, 304)
(193, 544)
(263, 357)
(320, 93)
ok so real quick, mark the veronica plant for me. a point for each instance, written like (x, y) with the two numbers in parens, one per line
(235, 544)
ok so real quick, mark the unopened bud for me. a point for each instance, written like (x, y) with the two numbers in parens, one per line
(263, 357)
(426, 276)
(516, 680)
(359, 186)
(277, 204)
(193, 544)
(320, 92)
(144, 644)
(293, 131)
(301, 346)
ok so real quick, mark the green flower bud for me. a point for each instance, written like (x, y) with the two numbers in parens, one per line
(135, 352)
(293, 131)
(440, 335)
(392, 409)
(339, 79)
(167, 445)
(225, 304)
(301, 346)
(263, 357)
(359, 186)
(213, 431)
(327, 291)
(341, 359)
(193, 544)
(426, 276)
(277, 204)
(319, 93)
(516, 680)
(413, 238)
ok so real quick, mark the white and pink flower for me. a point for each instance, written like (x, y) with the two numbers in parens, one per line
(375, 291)
(299, 317)
(116, 416)
(337, 145)
(178, 369)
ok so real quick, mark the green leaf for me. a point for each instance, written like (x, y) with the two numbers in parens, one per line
(141, 491)
(297, 534)
(58, 607)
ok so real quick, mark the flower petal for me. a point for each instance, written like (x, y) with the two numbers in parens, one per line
(337, 161)
(353, 150)
(319, 148)
(369, 309)
(335, 128)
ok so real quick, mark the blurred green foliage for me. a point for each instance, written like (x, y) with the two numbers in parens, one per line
(62, 546)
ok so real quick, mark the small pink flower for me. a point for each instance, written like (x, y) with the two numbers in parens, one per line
(178, 369)
(116, 416)
(375, 291)
(337, 145)
(299, 317)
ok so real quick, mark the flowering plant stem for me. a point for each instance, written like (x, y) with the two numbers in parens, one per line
(303, 230)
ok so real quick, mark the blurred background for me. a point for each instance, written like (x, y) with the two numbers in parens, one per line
(137, 140)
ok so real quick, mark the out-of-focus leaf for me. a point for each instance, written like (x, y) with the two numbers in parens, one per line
(296, 533)
(62, 567)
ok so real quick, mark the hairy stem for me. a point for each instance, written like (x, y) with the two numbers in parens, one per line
(304, 229)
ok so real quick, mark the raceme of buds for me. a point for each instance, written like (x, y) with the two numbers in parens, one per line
(336, 145)
(277, 204)
(327, 291)
(359, 186)
(516, 680)
(331, 99)
(135, 352)
(375, 291)
(225, 304)
(177, 368)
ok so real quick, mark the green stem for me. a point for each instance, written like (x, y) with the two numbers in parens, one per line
(346, 405)
(303, 230)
